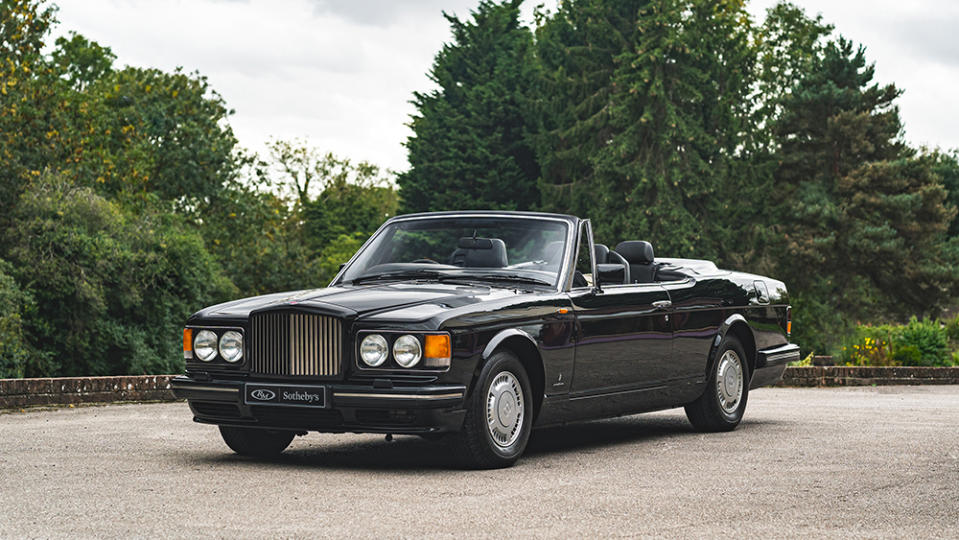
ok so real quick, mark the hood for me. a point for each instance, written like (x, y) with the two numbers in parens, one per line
(364, 300)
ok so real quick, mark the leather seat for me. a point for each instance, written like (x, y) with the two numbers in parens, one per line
(493, 257)
(606, 257)
(602, 253)
(639, 253)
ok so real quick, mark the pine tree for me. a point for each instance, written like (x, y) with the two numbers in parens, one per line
(469, 146)
(654, 110)
(862, 219)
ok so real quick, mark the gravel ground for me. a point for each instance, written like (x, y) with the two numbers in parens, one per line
(867, 462)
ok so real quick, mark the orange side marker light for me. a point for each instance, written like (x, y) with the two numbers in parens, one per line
(188, 343)
(437, 351)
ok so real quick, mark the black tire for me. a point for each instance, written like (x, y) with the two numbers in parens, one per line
(256, 442)
(475, 443)
(708, 413)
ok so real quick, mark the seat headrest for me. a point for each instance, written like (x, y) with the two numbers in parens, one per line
(636, 251)
(601, 252)
(481, 256)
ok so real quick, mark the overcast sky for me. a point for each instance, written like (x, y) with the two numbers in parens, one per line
(340, 73)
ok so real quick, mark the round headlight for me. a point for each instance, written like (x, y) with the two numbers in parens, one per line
(374, 350)
(407, 351)
(204, 345)
(231, 346)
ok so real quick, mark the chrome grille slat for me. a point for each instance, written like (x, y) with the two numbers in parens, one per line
(296, 344)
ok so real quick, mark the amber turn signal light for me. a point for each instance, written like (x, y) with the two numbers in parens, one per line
(436, 350)
(188, 343)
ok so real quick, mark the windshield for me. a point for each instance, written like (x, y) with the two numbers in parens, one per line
(519, 249)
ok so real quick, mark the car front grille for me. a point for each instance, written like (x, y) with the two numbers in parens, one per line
(296, 344)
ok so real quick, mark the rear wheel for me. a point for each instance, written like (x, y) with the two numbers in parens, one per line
(256, 442)
(498, 416)
(723, 403)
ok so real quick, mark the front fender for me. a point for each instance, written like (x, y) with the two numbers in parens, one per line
(502, 336)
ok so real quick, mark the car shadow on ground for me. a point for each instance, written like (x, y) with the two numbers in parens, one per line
(411, 453)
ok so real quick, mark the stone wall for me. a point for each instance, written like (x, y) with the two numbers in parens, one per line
(19, 393)
(868, 376)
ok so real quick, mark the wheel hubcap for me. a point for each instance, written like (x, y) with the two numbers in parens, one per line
(729, 381)
(504, 409)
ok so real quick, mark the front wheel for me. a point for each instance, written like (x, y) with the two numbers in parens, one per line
(723, 403)
(256, 442)
(499, 415)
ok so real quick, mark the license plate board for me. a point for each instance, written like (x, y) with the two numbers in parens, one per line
(296, 395)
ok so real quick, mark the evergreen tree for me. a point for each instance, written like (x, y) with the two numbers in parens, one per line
(650, 124)
(468, 148)
(576, 47)
(862, 219)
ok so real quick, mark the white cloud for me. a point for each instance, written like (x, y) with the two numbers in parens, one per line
(341, 73)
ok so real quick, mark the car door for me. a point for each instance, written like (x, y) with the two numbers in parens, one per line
(623, 338)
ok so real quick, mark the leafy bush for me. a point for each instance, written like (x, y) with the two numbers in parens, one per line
(870, 346)
(917, 343)
(952, 331)
(13, 347)
(112, 287)
(928, 337)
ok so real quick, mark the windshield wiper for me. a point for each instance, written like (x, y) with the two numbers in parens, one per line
(516, 278)
(405, 274)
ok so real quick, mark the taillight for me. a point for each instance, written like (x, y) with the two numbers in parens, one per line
(789, 320)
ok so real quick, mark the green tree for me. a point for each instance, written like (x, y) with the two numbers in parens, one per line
(14, 303)
(788, 45)
(649, 128)
(81, 61)
(257, 235)
(946, 166)
(334, 196)
(862, 219)
(112, 289)
(30, 102)
(469, 146)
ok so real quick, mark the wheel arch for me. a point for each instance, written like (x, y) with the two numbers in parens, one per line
(736, 325)
(524, 347)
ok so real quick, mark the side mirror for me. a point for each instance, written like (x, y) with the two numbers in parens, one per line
(341, 267)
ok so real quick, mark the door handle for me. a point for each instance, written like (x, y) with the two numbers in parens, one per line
(662, 304)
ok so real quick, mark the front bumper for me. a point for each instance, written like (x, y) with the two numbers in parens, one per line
(345, 408)
(771, 364)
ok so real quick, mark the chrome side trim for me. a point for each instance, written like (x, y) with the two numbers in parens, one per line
(781, 356)
(204, 388)
(397, 396)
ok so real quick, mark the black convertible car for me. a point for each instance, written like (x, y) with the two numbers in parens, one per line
(481, 326)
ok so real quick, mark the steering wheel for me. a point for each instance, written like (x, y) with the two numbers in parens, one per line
(430, 261)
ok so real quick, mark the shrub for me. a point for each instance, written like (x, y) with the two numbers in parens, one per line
(917, 343)
(928, 337)
(14, 353)
(870, 346)
(112, 286)
(952, 331)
